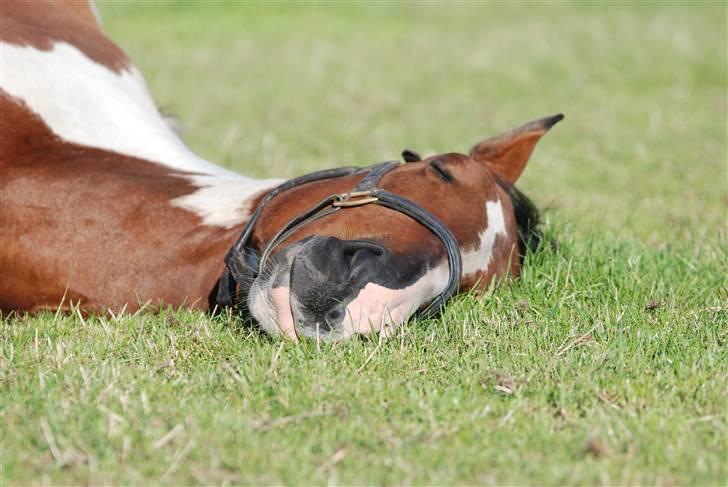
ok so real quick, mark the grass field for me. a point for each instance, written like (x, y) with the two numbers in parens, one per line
(605, 364)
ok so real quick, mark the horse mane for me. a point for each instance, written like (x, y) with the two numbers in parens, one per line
(528, 218)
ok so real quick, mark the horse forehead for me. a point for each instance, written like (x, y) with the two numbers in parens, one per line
(465, 212)
(460, 203)
(412, 178)
(475, 209)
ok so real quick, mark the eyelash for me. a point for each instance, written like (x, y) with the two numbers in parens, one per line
(443, 173)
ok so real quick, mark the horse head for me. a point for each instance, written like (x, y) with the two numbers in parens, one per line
(370, 267)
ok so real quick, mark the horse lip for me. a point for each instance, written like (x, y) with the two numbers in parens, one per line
(286, 321)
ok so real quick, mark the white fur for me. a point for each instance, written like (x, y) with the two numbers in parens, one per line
(479, 259)
(261, 306)
(224, 202)
(87, 103)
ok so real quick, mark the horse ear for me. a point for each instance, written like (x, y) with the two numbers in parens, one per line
(508, 153)
(411, 156)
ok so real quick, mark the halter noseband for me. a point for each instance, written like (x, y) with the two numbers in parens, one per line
(364, 193)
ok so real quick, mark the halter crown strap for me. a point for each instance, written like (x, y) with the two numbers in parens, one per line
(329, 205)
(375, 174)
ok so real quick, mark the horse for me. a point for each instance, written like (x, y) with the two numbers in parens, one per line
(104, 209)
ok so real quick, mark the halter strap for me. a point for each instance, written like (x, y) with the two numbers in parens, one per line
(364, 193)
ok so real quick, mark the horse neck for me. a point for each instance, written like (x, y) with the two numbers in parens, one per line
(77, 113)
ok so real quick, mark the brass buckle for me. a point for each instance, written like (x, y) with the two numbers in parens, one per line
(355, 198)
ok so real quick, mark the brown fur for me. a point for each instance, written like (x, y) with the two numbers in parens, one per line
(460, 204)
(95, 226)
(85, 225)
(507, 154)
(40, 23)
(83, 9)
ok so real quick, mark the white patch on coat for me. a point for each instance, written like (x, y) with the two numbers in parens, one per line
(224, 202)
(479, 259)
(89, 104)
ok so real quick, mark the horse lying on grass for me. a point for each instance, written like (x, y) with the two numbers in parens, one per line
(104, 208)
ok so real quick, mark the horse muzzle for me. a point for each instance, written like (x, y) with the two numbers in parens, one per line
(326, 275)
(331, 289)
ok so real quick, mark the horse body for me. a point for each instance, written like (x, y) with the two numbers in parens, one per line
(102, 206)
(101, 201)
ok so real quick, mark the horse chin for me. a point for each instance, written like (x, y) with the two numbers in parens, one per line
(374, 308)
(269, 296)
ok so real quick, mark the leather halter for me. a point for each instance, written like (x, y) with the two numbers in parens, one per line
(364, 193)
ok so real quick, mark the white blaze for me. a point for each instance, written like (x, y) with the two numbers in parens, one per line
(479, 259)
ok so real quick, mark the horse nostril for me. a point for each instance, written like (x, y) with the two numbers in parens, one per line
(334, 315)
(359, 254)
(326, 274)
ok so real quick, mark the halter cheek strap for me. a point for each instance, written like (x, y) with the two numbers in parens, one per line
(364, 193)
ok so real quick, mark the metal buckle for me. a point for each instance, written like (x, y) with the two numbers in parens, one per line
(354, 198)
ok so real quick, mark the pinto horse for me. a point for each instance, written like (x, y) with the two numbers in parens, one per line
(103, 207)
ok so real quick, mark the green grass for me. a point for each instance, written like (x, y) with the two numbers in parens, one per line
(606, 363)
(564, 376)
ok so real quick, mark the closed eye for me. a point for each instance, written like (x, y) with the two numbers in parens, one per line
(438, 167)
